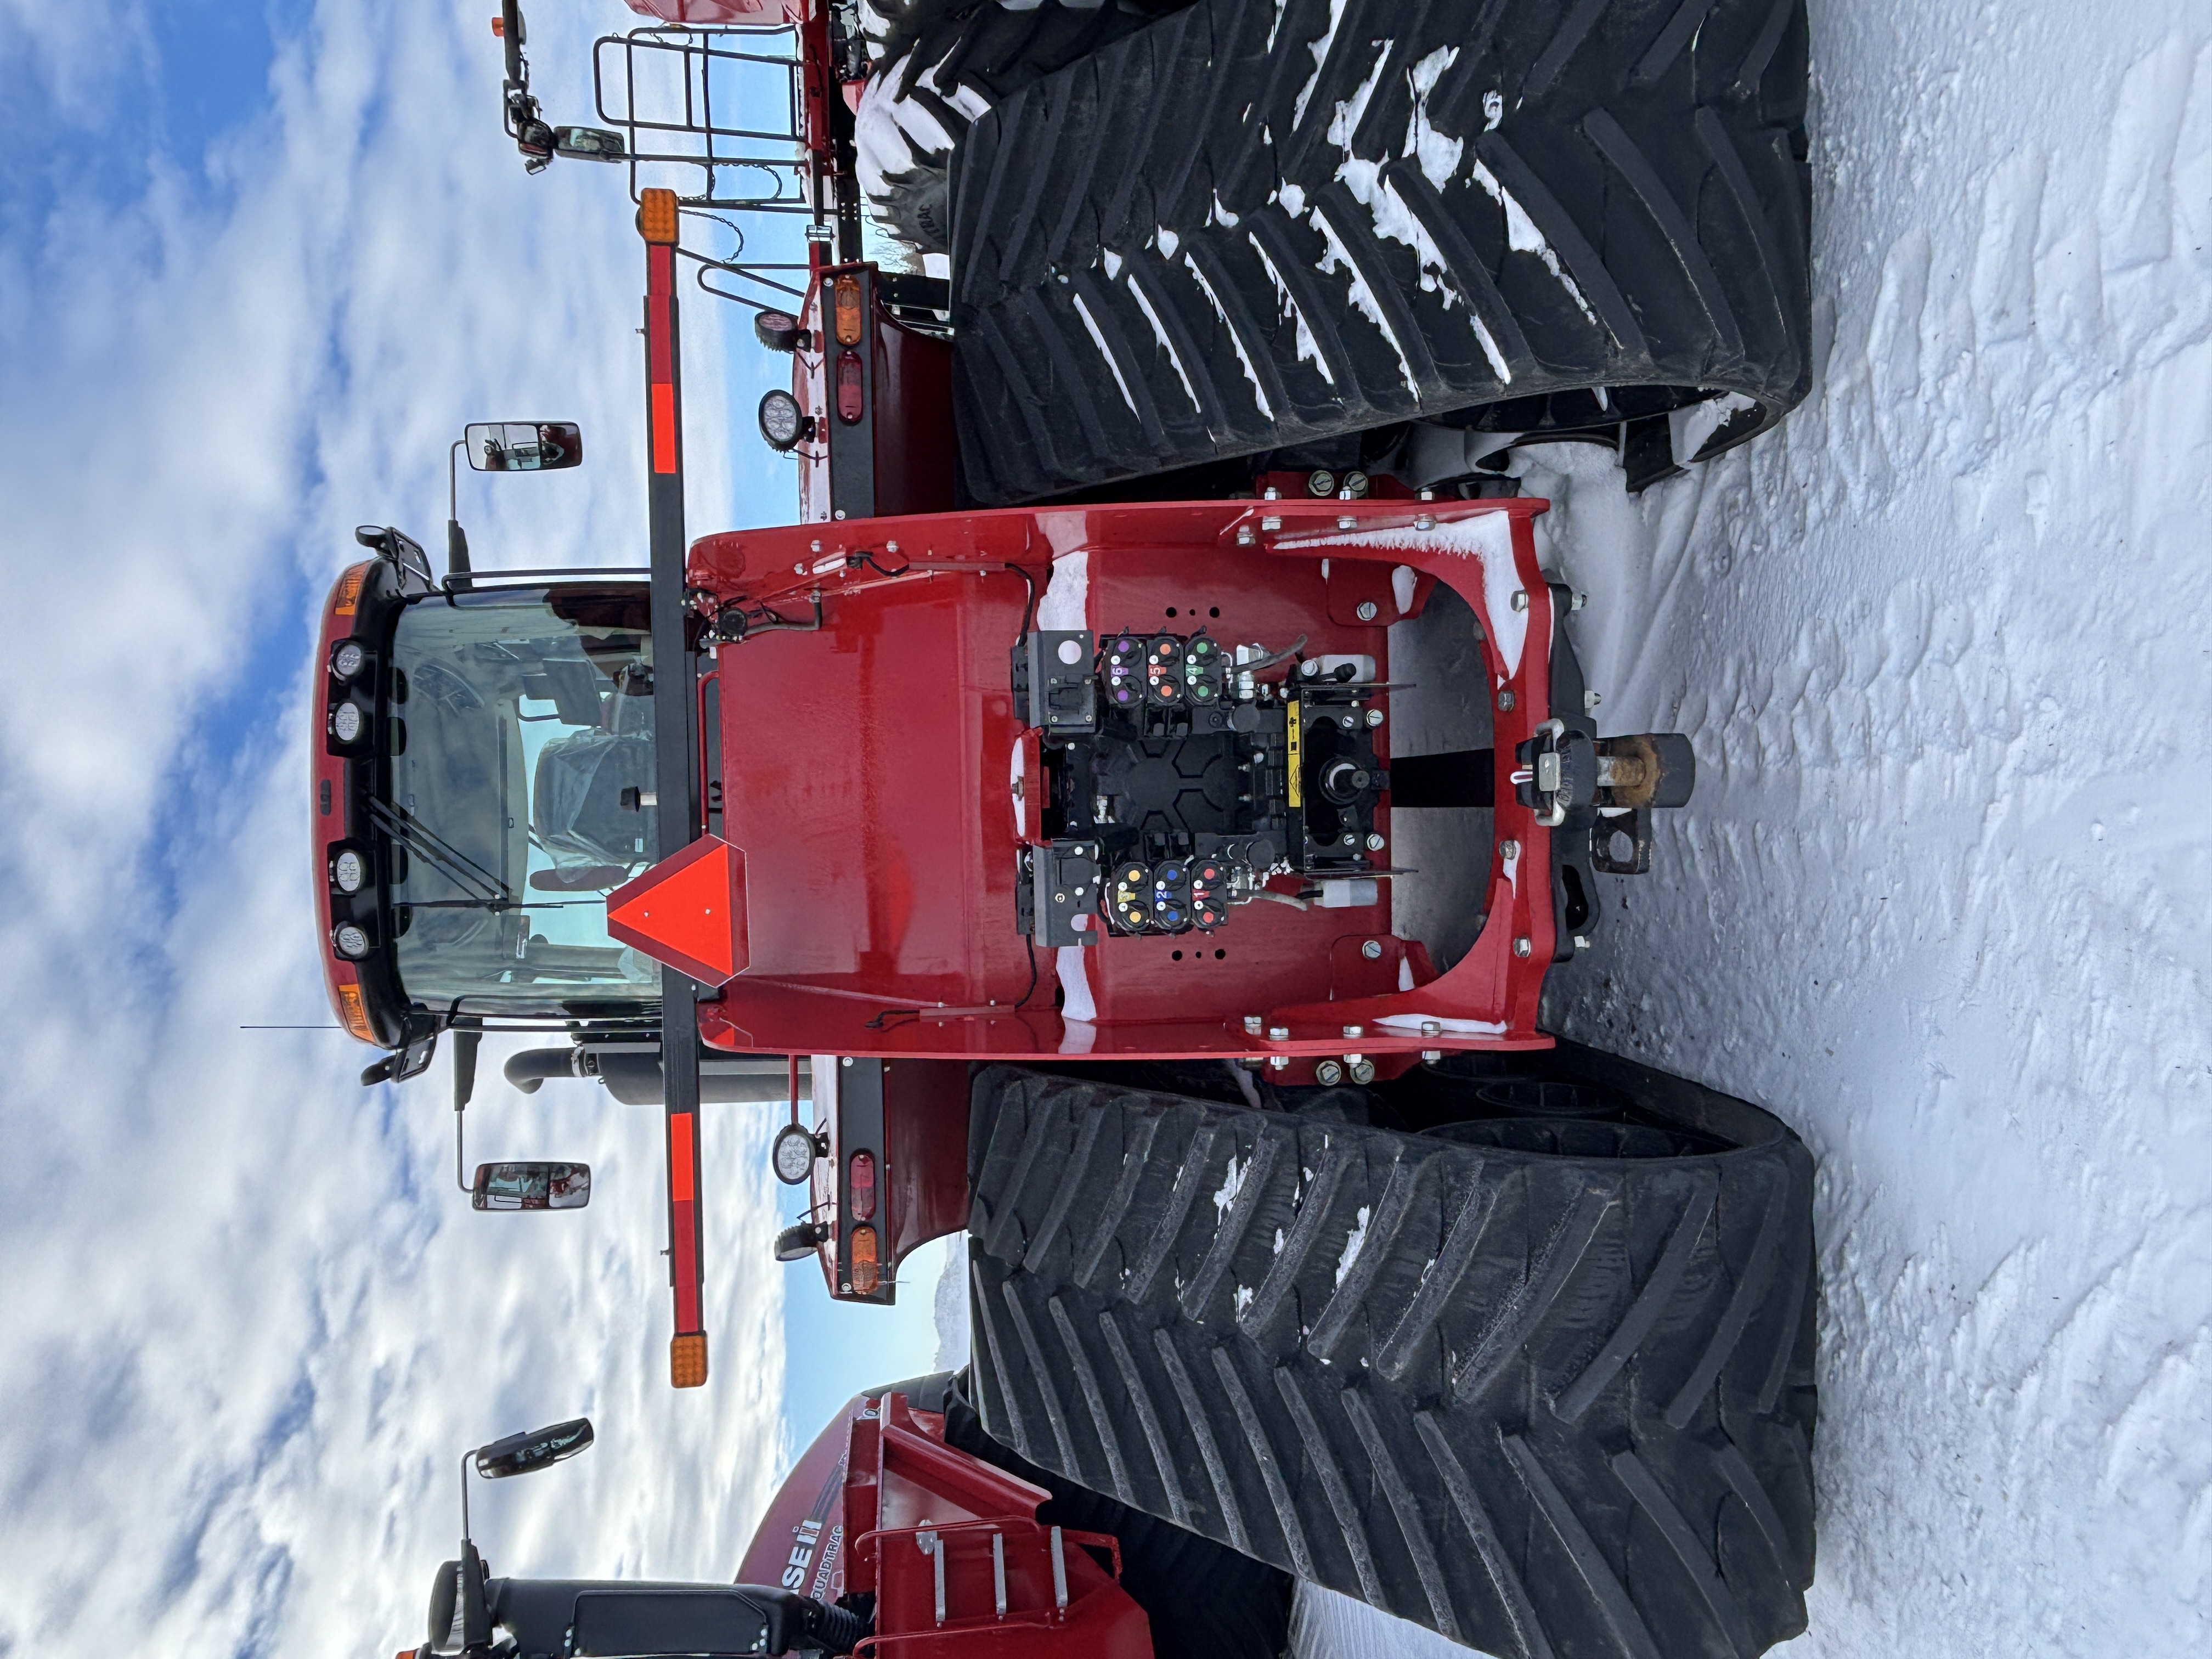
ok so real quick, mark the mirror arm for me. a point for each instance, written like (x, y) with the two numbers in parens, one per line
(465, 1041)
(458, 567)
(464, 1495)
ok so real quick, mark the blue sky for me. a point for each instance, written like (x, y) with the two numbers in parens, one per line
(257, 267)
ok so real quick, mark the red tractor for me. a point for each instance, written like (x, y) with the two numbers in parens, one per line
(1145, 795)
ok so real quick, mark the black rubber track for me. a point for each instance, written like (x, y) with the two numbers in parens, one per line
(1199, 242)
(991, 50)
(1544, 1404)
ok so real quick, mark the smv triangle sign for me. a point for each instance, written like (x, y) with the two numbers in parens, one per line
(688, 912)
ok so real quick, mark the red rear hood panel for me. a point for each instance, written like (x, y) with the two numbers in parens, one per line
(801, 1543)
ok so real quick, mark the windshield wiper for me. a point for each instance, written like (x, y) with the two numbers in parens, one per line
(457, 866)
(502, 904)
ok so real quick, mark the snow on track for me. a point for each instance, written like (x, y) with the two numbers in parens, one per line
(1944, 897)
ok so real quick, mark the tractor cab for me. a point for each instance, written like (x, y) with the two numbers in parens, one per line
(485, 775)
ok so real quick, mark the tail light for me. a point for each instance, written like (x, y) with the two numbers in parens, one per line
(860, 1186)
(847, 305)
(848, 387)
(867, 1273)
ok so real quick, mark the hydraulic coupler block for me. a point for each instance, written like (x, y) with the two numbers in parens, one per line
(1054, 688)
(1056, 897)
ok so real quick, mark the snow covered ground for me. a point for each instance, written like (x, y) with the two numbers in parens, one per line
(1941, 900)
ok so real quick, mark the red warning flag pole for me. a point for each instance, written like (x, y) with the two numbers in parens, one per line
(675, 775)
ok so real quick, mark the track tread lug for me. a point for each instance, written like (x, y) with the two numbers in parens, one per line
(1209, 1451)
(1348, 1300)
(1252, 1195)
(1743, 1299)
(1071, 1182)
(1527, 1625)
(1643, 179)
(1159, 1249)
(1651, 1301)
(1148, 1419)
(1102, 1423)
(1478, 1204)
(1626, 1625)
(1264, 1461)
(1137, 1149)
(1697, 1564)
(1413, 1525)
(1314, 1211)
(1054, 1414)
(1532, 1298)
(1320, 1459)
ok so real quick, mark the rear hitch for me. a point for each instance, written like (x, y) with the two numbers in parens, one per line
(1597, 795)
(1569, 777)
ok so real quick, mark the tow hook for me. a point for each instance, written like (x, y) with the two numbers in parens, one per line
(1605, 789)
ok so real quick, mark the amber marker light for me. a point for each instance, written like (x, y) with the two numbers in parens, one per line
(352, 1014)
(349, 598)
(868, 1270)
(848, 311)
(687, 1359)
(656, 216)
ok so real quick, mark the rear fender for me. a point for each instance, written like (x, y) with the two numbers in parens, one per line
(911, 1117)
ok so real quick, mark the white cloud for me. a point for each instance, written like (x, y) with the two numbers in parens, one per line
(250, 1325)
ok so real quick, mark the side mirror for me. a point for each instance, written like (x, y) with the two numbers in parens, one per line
(534, 1450)
(532, 1187)
(524, 445)
(590, 143)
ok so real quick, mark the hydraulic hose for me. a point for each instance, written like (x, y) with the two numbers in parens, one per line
(836, 1629)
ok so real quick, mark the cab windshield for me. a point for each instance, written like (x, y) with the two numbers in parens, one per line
(521, 768)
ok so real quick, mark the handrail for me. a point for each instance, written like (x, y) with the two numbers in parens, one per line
(634, 74)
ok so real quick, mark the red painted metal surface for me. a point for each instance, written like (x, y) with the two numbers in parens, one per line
(867, 778)
(914, 453)
(800, 1541)
(721, 11)
(925, 1161)
(878, 1483)
(684, 1230)
(953, 1552)
(663, 415)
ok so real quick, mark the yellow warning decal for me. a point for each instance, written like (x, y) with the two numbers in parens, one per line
(1297, 764)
